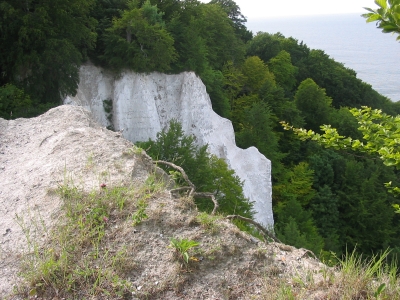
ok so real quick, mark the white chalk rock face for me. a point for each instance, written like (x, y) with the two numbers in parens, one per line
(144, 104)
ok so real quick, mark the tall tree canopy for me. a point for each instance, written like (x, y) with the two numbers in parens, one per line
(139, 41)
(43, 44)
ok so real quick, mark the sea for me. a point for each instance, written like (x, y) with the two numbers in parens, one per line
(348, 39)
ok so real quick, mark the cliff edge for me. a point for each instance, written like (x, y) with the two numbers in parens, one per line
(82, 216)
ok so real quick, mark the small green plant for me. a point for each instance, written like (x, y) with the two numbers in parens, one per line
(182, 246)
(108, 108)
(140, 215)
(75, 261)
(208, 222)
(134, 150)
(153, 184)
(286, 293)
(176, 175)
(379, 290)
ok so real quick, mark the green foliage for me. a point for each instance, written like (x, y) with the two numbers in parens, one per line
(13, 102)
(108, 108)
(296, 226)
(214, 81)
(256, 129)
(204, 37)
(207, 172)
(233, 82)
(256, 73)
(138, 41)
(380, 135)
(208, 222)
(387, 16)
(43, 45)
(345, 122)
(104, 11)
(363, 200)
(325, 212)
(219, 34)
(314, 104)
(264, 45)
(283, 70)
(140, 214)
(296, 183)
(182, 246)
(237, 18)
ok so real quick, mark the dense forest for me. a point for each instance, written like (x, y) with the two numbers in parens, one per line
(324, 200)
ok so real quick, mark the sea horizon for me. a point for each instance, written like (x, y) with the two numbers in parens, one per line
(348, 39)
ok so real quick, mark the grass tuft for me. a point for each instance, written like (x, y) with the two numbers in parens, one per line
(79, 259)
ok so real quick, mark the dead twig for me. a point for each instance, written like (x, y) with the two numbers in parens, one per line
(191, 187)
(211, 196)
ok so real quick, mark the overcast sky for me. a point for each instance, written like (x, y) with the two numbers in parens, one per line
(256, 9)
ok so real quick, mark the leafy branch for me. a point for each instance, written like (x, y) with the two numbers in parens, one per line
(381, 136)
(387, 16)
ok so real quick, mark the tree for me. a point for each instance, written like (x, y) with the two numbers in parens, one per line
(234, 81)
(138, 41)
(283, 70)
(214, 81)
(12, 101)
(381, 137)
(313, 102)
(256, 73)
(264, 45)
(294, 223)
(43, 44)
(218, 32)
(256, 129)
(104, 12)
(387, 16)
(207, 172)
(237, 18)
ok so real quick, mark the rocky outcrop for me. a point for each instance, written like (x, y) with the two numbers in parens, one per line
(143, 105)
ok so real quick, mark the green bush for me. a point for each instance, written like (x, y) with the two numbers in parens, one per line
(207, 172)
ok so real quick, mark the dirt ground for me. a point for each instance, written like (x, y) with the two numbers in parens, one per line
(39, 154)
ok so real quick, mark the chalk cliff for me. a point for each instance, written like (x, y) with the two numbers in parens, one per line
(143, 104)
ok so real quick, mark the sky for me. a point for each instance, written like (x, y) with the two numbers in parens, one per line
(257, 9)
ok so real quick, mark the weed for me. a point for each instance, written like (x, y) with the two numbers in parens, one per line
(182, 246)
(286, 293)
(152, 184)
(77, 261)
(89, 161)
(208, 222)
(140, 215)
(108, 109)
(134, 150)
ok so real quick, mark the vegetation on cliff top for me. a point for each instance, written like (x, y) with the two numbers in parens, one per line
(326, 199)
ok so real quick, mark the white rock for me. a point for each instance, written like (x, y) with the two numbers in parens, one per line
(144, 104)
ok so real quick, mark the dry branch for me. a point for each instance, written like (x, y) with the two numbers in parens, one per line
(184, 175)
(211, 196)
(258, 225)
(191, 186)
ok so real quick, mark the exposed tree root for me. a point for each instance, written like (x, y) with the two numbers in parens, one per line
(258, 225)
(192, 193)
